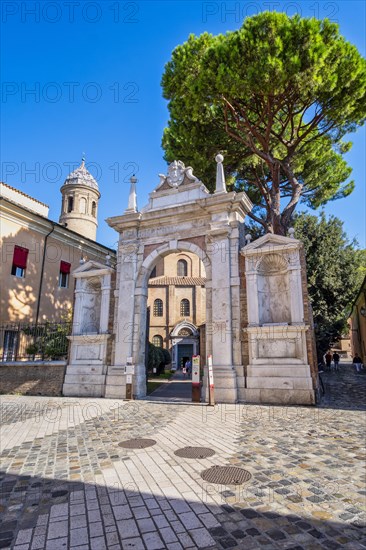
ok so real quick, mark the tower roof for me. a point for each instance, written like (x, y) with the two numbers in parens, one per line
(81, 176)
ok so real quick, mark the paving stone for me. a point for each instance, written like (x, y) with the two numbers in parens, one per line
(153, 541)
(201, 537)
(131, 544)
(57, 544)
(98, 543)
(79, 536)
(58, 529)
(146, 525)
(96, 529)
(127, 529)
(24, 536)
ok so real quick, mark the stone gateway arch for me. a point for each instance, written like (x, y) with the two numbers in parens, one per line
(257, 311)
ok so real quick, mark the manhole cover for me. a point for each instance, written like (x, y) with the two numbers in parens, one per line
(137, 443)
(194, 452)
(226, 475)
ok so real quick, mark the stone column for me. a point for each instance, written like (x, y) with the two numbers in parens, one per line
(78, 306)
(221, 328)
(104, 304)
(139, 341)
(296, 300)
(251, 278)
(124, 328)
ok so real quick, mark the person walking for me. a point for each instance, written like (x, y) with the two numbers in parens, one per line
(189, 367)
(328, 359)
(357, 361)
(336, 358)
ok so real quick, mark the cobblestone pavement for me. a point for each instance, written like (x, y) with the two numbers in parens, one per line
(65, 482)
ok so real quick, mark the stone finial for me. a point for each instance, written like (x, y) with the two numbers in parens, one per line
(291, 233)
(132, 199)
(108, 260)
(248, 238)
(82, 260)
(220, 175)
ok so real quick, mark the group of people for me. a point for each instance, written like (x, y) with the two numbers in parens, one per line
(329, 357)
(335, 358)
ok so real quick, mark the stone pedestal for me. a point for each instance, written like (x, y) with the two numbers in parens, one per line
(115, 383)
(86, 372)
(278, 372)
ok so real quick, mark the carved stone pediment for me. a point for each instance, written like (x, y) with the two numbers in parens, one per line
(269, 244)
(177, 175)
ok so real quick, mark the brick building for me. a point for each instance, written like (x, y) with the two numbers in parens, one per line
(177, 305)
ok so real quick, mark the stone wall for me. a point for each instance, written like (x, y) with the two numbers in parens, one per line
(32, 378)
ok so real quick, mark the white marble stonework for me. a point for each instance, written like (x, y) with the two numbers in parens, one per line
(183, 216)
(86, 371)
(278, 370)
(180, 209)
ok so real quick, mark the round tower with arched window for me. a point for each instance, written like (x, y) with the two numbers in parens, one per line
(80, 196)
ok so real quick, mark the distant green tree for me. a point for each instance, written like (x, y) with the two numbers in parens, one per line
(157, 358)
(333, 272)
(167, 357)
(276, 97)
(361, 256)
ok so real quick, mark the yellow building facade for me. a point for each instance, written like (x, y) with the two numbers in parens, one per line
(177, 305)
(38, 256)
(358, 324)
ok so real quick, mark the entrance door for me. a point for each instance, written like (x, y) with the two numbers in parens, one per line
(185, 352)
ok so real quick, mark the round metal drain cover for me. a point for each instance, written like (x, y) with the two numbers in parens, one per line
(194, 452)
(137, 443)
(226, 475)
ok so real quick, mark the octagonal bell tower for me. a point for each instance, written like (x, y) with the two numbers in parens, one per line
(80, 196)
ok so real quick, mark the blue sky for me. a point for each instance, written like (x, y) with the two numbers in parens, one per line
(95, 71)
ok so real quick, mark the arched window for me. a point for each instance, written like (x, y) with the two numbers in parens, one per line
(182, 268)
(157, 341)
(82, 205)
(158, 308)
(185, 308)
(94, 209)
(70, 204)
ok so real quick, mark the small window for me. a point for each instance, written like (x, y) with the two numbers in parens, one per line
(19, 264)
(94, 209)
(157, 341)
(185, 308)
(70, 204)
(158, 308)
(10, 345)
(63, 278)
(182, 268)
(82, 205)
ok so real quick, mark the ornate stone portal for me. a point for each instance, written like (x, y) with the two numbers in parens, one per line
(257, 325)
(181, 216)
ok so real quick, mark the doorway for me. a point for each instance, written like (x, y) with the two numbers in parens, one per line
(185, 353)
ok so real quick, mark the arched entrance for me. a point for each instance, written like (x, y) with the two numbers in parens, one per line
(184, 343)
(181, 216)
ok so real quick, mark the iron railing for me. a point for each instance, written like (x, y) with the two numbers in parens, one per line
(32, 342)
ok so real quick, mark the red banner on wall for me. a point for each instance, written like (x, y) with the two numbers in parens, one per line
(65, 267)
(20, 256)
